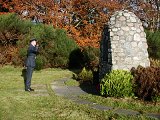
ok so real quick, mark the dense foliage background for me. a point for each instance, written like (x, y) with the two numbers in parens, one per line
(54, 50)
(69, 32)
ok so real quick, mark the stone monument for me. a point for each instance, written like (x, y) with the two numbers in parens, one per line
(123, 44)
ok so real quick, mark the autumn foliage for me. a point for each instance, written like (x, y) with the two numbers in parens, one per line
(82, 19)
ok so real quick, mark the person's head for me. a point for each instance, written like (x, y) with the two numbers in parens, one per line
(33, 41)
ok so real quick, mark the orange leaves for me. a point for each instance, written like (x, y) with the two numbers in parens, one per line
(81, 38)
(92, 20)
(7, 54)
(1, 13)
(85, 41)
(12, 51)
(82, 19)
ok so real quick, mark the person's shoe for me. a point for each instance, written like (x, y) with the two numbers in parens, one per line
(28, 90)
(31, 89)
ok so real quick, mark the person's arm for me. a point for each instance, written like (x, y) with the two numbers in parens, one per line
(33, 49)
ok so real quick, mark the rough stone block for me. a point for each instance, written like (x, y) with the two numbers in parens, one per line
(134, 44)
(126, 28)
(128, 41)
(137, 37)
(122, 18)
(133, 19)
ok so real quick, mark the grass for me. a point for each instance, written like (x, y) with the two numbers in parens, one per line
(72, 82)
(16, 104)
(125, 103)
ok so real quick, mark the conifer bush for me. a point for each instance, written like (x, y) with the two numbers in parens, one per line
(91, 57)
(153, 40)
(55, 46)
(85, 57)
(40, 62)
(63, 47)
(12, 28)
(76, 59)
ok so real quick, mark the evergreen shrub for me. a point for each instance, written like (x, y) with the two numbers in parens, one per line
(153, 40)
(91, 57)
(85, 57)
(117, 83)
(12, 28)
(40, 62)
(76, 59)
(63, 47)
(55, 46)
(84, 76)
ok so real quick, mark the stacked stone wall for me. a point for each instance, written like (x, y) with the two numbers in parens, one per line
(128, 41)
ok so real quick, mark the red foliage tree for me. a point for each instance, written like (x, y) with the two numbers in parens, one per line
(82, 19)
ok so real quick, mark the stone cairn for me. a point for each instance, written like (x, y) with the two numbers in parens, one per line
(125, 45)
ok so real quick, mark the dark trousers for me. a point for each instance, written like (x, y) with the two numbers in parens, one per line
(29, 72)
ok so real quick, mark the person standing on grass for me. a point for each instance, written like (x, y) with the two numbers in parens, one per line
(30, 63)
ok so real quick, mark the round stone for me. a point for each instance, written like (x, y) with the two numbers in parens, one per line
(117, 25)
(111, 33)
(140, 45)
(133, 28)
(133, 19)
(141, 27)
(126, 14)
(135, 58)
(142, 34)
(131, 33)
(125, 28)
(129, 38)
(115, 38)
(115, 67)
(137, 37)
(130, 24)
(138, 30)
(112, 19)
(134, 44)
(120, 33)
(122, 18)
(114, 29)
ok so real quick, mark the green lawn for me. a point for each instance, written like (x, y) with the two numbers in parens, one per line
(125, 103)
(16, 104)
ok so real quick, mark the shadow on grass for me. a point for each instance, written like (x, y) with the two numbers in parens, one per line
(24, 75)
(89, 88)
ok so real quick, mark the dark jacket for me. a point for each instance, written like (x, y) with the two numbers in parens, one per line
(31, 56)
